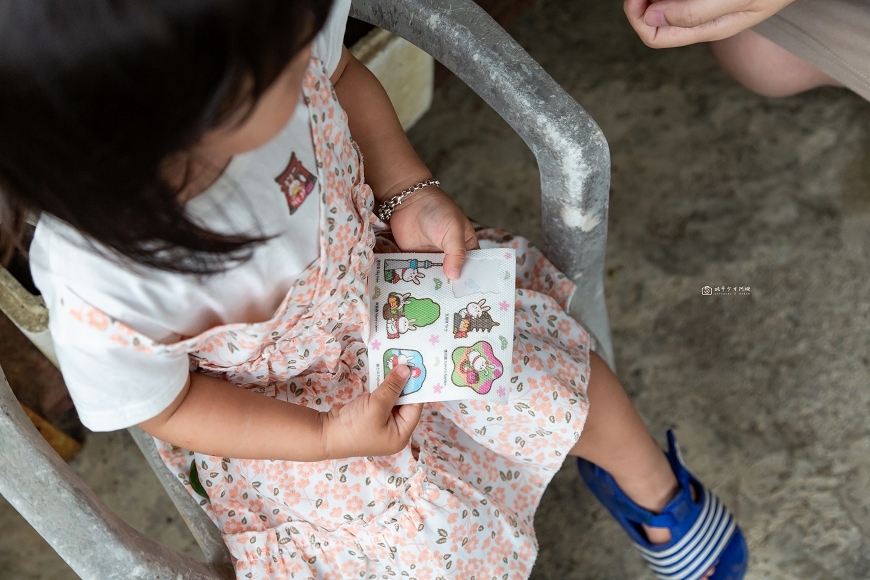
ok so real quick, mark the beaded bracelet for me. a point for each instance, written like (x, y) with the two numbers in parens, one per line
(385, 211)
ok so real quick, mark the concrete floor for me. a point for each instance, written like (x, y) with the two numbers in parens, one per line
(711, 186)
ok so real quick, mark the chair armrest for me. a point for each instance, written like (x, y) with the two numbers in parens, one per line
(207, 534)
(572, 153)
(94, 541)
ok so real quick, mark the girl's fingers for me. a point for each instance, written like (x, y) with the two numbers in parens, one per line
(453, 260)
(407, 417)
(387, 393)
(453, 246)
(471, 241)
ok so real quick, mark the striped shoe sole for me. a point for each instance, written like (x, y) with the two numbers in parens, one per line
(700, 547)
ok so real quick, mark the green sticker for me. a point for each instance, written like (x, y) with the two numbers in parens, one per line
(414, 312)
(503, 341)
(438, 283)
(377, 293)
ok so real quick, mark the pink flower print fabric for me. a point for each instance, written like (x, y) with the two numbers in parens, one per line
(459, 501)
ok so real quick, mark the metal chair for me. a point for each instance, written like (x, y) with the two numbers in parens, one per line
(574, 163)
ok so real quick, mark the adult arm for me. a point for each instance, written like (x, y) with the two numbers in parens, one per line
(670, 23)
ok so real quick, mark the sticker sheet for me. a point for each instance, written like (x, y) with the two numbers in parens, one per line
(457, 337)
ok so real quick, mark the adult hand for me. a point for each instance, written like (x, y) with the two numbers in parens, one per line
(429, 221)
(371, 424)
(669, 23)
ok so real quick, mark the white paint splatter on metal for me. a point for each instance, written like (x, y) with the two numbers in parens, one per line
(573, 217)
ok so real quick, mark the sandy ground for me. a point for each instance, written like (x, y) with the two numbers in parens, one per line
(711, 186)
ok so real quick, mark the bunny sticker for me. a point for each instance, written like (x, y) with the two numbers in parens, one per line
(403, 313)
(474, 317)
(476, 366)
(406, 270)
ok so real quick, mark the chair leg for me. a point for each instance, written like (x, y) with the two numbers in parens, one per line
(94, 541)
(590, 307)
(204, 530)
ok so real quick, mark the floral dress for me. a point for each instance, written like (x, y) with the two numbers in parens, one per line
(459, 500)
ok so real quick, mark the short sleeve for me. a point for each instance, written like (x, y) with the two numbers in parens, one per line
(328, 43)
(112, 385)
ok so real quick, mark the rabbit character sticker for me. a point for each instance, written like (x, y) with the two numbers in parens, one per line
(475, 316)
(403, 312)
(406, 270)
(394, 357)
(476, 366)
(395, 306)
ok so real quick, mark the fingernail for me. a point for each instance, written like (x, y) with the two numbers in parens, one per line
(404, 372)
(655, 18)
(453, 274)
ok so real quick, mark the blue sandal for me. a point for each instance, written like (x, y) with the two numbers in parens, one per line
(703, 532)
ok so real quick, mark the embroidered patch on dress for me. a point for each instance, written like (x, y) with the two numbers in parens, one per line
(296, 182)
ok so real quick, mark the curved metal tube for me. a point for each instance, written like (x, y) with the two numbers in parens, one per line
(572, 153)
(95, 542)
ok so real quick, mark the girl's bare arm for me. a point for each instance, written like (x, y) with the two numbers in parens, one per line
(214, 417)
(428, 220)
(391, 164)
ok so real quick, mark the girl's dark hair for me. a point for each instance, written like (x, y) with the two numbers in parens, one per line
(96, 94)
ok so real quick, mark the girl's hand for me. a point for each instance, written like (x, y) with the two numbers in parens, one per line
(371, 424)
(429, 221)
(669, 23)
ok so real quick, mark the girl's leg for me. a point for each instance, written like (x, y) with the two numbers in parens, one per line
(764, 67)
(615, 439)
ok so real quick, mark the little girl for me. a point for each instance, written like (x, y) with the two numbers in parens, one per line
(206, 232)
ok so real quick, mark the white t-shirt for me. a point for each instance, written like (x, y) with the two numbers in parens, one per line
(272, 190)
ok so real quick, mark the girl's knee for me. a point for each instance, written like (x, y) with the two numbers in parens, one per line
(766, 68)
